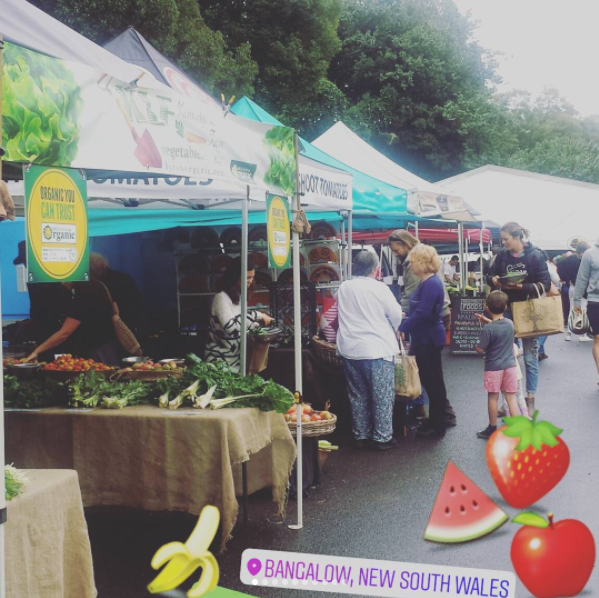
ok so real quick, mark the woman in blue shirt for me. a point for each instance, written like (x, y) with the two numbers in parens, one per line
(427, 334)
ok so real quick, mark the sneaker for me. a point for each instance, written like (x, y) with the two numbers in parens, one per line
(568, 336)
(385, 446)
(585, 338)
(543, 356)
(487, 432)
(502, 413)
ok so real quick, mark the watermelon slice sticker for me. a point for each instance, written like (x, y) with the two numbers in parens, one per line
(462, 511)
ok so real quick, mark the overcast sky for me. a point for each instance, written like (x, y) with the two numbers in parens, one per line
(545, 43)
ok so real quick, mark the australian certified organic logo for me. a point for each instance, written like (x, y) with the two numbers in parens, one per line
(59, 233)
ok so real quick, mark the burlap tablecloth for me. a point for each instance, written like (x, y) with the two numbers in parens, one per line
(48, 554)
(157, 459)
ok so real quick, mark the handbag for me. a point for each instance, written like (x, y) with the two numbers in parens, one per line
(123, 333)
(407, 378)
(540, 316)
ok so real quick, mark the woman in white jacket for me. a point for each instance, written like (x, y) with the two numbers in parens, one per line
(369, 317)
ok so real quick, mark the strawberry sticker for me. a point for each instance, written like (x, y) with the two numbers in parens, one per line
(527, 459)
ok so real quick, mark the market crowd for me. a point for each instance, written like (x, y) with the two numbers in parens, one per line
(375, 325)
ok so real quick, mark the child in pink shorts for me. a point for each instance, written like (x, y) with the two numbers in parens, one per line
(497, 344)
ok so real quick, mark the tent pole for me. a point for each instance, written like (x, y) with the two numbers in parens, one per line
(244, 284)
(461, 248)
(481, 248)
(297, 337)
(2, 488)
(343, 251)
(350, 242)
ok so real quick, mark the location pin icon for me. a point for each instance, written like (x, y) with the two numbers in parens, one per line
(254, 566)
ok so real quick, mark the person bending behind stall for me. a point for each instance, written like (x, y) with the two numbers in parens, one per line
(520, 256)
(88, 325)
(225, 323)
(497, 344)
(369, 317)
(427, 335)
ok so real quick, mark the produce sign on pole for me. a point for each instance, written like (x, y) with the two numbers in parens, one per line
(56, 225)
(279, 231)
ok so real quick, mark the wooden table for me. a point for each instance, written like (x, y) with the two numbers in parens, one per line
(48, 554)
(158, 459)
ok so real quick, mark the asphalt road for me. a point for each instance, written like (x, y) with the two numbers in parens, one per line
(376, 505)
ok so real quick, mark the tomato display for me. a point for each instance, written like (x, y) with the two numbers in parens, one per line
(68, 363)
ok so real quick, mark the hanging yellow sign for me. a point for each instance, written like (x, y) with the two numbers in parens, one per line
(279, 231)
(56, 225)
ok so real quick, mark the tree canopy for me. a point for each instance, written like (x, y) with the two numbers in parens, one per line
(406, 75)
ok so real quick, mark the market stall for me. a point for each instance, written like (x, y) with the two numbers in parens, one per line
(231, 141)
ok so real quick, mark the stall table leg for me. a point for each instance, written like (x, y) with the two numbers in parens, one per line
(244, 482)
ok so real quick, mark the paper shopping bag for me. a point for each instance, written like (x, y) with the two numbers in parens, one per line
(540, 316)
(407, 379)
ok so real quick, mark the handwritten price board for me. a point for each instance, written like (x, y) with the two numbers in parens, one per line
(465, 328)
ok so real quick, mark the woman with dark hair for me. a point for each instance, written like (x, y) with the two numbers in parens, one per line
(225, 322)
(520, 256)
(369, 317)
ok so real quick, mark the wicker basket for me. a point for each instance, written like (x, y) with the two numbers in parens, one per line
(327, 352)
(321, 428)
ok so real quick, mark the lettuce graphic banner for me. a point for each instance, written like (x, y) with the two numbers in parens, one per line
(62, 113)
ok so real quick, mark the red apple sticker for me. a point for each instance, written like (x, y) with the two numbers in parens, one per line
(553, 560)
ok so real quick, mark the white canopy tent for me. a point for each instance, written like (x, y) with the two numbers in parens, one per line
(554, 209)
(424, 198)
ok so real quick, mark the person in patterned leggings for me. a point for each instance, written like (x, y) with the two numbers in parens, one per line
(369, 317)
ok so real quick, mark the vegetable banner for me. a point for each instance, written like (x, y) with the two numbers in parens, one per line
(62, 113)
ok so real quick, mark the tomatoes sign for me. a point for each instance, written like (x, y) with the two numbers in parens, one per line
(279, 232)
(56, 224)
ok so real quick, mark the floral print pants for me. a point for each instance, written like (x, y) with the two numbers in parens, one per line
(371, 390)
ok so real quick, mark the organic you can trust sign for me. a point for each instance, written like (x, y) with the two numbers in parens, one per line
(56, 224)
(279, 233)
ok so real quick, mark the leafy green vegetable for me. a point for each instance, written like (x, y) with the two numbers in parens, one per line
(203, 385)
(14, 480)
(280, 145)
(41, 106)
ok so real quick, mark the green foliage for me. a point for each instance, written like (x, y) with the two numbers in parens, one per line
(293, 42)
(175, 27)
(14, 481)
(41, 105)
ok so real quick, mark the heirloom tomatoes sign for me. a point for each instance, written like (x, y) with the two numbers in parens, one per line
(56, 225)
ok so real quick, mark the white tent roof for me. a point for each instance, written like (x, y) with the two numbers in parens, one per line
(554, 209)
(25, 25)
(347, 147)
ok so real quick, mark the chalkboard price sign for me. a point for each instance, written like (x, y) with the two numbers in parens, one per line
(465, 327)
